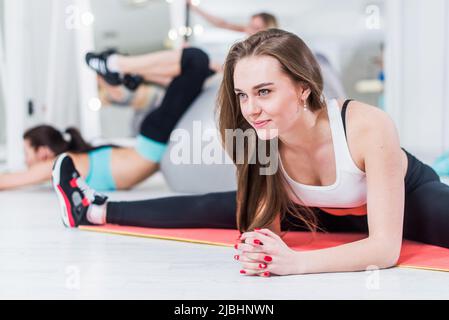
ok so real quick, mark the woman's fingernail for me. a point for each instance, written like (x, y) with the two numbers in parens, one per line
(257, 242)
(236, 257)
(236, 247)
(268, 259)
(262, 266)
(266, 274)
(257, 229)
(242, 272)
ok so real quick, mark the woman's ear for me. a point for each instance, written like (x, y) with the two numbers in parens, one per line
(305, 93)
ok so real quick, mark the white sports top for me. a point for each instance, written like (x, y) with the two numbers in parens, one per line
(350, 189)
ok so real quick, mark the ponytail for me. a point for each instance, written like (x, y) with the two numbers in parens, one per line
(76, 143)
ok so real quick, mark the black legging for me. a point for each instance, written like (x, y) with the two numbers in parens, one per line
(180, 94)
(426, 211)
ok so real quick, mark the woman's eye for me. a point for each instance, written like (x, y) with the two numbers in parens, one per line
(264, 92)
(241, 96)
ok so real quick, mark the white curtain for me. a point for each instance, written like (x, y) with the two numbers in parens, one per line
(70, 85)
(2, 48)
(446, 101)
(61, 78)
(13, 71)
(88, 90)
(44, 46)
(2, 79)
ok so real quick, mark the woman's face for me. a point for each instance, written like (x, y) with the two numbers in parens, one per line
(30, 153)
(269, 99)
(36, 155)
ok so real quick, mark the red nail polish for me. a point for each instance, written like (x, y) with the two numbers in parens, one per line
(262, 266)
(266, 274)
(257, 229)
(236, 247)
(242, 272)
(237, 257)
(268, 259)
(257, 242)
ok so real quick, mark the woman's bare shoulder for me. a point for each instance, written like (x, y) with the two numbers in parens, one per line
(367, 126)
(363, 117)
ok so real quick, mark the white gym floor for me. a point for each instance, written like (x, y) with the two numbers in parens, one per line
(39, 259)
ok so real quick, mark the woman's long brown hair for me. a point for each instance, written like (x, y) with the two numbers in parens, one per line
(261, 198)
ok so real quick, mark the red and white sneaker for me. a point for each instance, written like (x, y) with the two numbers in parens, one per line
(75, 196)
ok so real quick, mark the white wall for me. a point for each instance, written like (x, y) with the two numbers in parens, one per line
(417, 73)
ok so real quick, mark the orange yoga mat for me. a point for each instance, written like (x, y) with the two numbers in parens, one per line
(414, 255)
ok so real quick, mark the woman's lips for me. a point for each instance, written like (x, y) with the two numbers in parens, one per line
(261, 124)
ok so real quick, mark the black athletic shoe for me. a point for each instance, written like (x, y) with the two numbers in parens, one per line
(132, 82)
(74, 194)
(98, 63)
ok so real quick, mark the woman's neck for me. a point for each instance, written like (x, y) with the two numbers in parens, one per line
(307, 132)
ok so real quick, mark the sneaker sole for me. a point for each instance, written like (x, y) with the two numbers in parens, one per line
(66, 209)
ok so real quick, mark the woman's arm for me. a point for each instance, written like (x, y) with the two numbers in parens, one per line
(37, 174)
(385, 180)
(218, 22)
(386, 197)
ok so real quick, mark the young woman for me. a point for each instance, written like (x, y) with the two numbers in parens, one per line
(108, 168)
(341, 170)
(104, 168)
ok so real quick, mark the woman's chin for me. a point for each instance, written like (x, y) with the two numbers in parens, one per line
(267, 134)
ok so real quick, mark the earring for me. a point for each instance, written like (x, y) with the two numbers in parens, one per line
(305, 108)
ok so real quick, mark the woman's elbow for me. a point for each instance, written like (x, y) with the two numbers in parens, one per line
(389, 254)
(390, 261)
